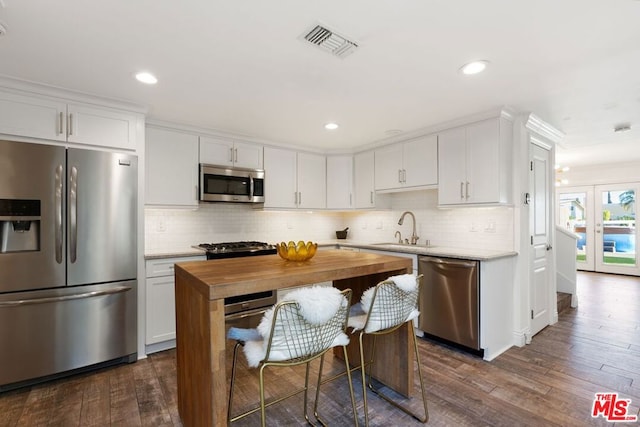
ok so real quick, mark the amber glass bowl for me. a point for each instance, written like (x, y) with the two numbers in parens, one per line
(297, 252)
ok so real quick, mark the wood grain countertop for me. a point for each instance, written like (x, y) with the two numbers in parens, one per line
(217, 279)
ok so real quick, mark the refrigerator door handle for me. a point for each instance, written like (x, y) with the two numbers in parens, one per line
(73, 215)
(47, 300)
(58, 213)
(251, 187)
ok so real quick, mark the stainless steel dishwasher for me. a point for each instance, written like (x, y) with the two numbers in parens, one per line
(450, 300)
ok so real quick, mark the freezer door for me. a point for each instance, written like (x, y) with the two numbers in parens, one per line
(32, 209)
(102, 194)
(56, 330)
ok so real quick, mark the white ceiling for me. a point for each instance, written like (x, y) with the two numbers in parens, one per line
(239, 65)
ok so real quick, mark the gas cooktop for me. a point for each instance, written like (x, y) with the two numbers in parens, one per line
(236, 249)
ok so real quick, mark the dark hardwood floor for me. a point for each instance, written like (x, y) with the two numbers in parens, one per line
(552, 381)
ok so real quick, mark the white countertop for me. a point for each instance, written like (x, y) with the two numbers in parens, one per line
(442, 251)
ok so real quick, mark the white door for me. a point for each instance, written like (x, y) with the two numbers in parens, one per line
(574, 212)
(539, 226)
(616, 239)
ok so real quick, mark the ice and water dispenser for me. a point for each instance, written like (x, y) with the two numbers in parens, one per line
(19, 225)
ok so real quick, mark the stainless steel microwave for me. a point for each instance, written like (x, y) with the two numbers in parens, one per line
(239, 185)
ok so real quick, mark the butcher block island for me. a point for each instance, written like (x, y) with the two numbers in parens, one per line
(201, 287)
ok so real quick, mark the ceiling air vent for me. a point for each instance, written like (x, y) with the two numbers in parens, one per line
(330, 41)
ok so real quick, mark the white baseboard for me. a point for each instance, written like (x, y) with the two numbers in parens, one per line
(161, 346)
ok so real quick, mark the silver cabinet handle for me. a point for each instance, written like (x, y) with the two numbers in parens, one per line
(404, 176)
(295, 197)
(299, 197)
(73, 215)
(70, 125)
(371, 197)
(231, 154)
(461, 190)
(235, 151)
(350, 199)
(46, 300)
(400, 175)
(61, 123)
(58, 213)
(466, 191)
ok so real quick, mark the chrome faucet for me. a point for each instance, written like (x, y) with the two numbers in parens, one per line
(414, 237)
(399, 236)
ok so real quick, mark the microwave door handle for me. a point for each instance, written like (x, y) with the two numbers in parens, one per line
(251, 187)
(73, 215)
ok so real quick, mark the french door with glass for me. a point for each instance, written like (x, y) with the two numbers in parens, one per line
(604, 219)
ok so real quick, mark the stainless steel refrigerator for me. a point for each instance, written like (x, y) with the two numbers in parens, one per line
(68, 249)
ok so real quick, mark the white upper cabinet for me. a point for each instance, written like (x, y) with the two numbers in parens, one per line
(280, 182)
(312, 181)
(105, 127)
(364, 180)
(339, 182)
(226, 152)
(475, 163)
(407, 165)
(294, 180)
(171, 168)
(55, 119)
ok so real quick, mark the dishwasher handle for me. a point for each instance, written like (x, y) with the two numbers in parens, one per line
(444, 261)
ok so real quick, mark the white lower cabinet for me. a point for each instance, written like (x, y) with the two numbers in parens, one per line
(160, 333)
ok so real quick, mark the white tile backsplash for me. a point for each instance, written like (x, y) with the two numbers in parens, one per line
(176, 230)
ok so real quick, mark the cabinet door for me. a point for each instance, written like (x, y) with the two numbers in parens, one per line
(339, 182)
(247, 155)
(32, 117)
(388, 167)
(312, 187)
(280, 187)
(364, 180)
(420, 161)
(104, 127)
(452, 166)
(483, 162)
(160, 309)
(216, 151)
(171, 168)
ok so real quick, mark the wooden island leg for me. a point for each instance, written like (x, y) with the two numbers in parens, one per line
(394, 352)
(200, 356)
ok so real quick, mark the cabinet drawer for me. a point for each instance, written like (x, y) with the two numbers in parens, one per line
(164, 266)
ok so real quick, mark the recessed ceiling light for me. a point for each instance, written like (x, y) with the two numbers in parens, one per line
(474, 67)
(331, 126)
(147, 78)
(392, 132)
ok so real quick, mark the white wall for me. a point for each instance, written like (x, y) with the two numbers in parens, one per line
(473, 228)
(176, 230)
(600, 174)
